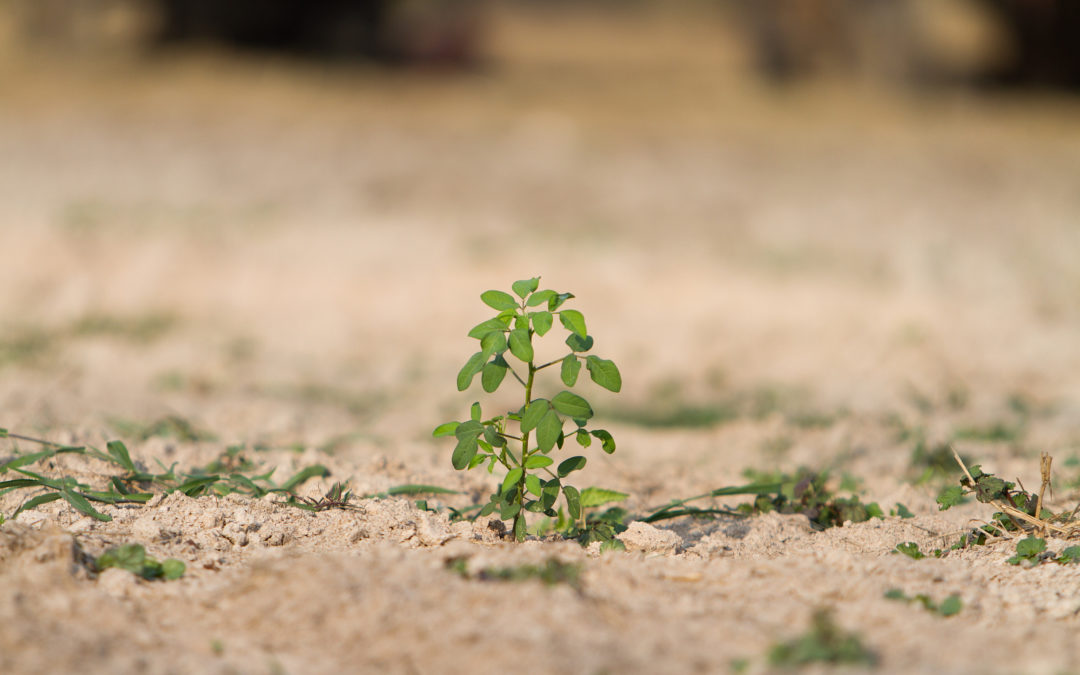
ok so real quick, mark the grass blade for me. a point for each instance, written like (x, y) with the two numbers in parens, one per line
(34, 502)
(314, 471)
(81, 505)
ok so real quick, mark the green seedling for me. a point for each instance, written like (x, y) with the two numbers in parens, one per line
(824, 642)
(807, 492)
(532, 481)
(950, 606)
(133, 558)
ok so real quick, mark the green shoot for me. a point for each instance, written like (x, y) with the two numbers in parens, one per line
(533, 482)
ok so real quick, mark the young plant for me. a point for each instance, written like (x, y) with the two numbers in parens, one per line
(530, 483)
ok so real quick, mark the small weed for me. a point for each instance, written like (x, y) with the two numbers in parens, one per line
(1019, 512)
(1031, 552)
(134, 485)
(337, 497)
(486, 441)
(824, 642)
(950, 606)
(910, 549)
(804, 492)
(133, 558)
(807, 492)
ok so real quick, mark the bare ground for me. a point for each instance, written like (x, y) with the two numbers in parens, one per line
(289, 257)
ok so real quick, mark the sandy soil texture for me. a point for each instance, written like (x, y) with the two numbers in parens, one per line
(288, 256)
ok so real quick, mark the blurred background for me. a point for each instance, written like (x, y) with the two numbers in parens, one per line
(275, 217)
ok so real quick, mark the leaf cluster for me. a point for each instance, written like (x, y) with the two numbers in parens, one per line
(807, 492)
(533, 482)
(133, 558)
(950, 606)
(1031, 552)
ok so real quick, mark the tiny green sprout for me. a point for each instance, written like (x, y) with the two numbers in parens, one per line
(533, 481)
(1069, 556)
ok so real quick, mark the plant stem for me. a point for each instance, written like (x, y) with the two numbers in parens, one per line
(524, 448)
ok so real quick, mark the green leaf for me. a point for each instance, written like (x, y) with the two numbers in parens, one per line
(903, 511)
(538, 462)
(604, 373)
(540, 297)
(512, 478)
(568, 466)
(577, 343)
(119, 452)
(548, 431)
(607, 442)
(491, 435)
(1070, 554)
(550, 492)
(413, 489)
(570, 369)
(498, 300)
(464, 452)
(574, 321)
(572, 405)
(533, 414)
(493, 374)
(468, 429)
(532, 484)
(82, 505)
(446, 429)
(1030, 547)
(35, 502)
(541, 322)
(557, 299)
(475, 411)
(520, 346)
(313, 471)
(493, 343)
(172, 568)
(950, 605)
(573, 501)
(595, 496)
(525, 286)
(480, 330)
(196, 485)
(26, 459)
(950, 497)
(509, 510)
(473, 366)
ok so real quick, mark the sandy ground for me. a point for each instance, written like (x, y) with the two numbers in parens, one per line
(289, 257)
